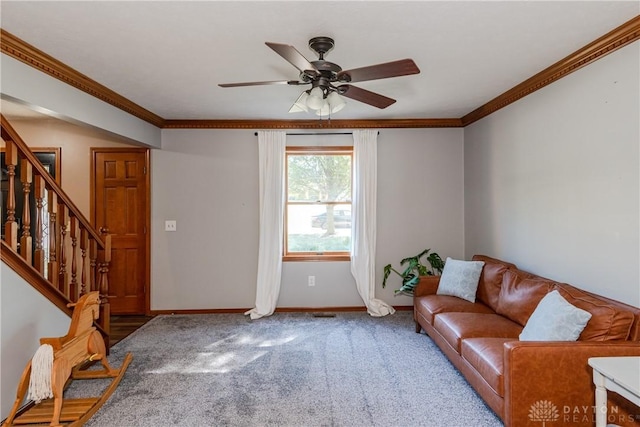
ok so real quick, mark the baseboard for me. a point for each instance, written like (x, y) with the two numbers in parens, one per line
(278, 310)
(199, 311)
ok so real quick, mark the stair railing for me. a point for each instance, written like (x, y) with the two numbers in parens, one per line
(72, 257)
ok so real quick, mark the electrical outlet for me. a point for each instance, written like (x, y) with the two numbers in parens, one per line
(312, 280)
(170, 226)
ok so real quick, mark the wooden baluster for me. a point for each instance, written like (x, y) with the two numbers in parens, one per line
(62, 253)
(38, 254)
(73, 286)
(26, 241)
(84, 240)
(52, 267)
(93, 263)
(11, 226)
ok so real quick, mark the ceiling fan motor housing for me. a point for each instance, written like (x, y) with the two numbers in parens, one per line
(327, 70)
(321, 45)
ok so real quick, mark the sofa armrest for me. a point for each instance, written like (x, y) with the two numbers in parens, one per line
(557, 374)
(428, 285)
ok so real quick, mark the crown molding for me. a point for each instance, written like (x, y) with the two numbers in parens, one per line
(30, 55)
(311, 124)
(622, 36)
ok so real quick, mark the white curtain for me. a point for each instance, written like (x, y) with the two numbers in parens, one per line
(271, 153)
(363, 248)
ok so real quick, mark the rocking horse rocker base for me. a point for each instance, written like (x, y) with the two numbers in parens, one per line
(82, 344)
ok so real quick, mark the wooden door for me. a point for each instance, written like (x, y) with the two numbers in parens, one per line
(121, 208)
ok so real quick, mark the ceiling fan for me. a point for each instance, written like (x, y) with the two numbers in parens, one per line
(328, 81)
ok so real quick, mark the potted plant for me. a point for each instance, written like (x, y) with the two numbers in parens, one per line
(415, 268)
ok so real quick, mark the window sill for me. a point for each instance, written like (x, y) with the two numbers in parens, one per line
(309, 257)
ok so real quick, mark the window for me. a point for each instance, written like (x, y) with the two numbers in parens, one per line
(318, 210)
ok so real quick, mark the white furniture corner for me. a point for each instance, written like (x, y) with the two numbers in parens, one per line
(617, 374)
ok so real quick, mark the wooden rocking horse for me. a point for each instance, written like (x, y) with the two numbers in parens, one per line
(83, 343)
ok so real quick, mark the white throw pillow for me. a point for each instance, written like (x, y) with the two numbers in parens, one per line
(460, 279)
(555, 319)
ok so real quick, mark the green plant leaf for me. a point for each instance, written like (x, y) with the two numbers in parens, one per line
(436, 262)
(406, 271)
(409, 285)
(414, 269)
(423, 253)
(409, 278)
(413, 282)
(402, 292)
(387, 272)
(407, 260)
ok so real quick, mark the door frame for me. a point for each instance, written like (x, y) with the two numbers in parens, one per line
(147, 215)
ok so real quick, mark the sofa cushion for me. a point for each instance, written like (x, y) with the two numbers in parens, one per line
(608, 321)
(486, 355)
(555, 320)
(454, 327)
(460, 279)
(491, 280)
(520, 295)
(430, 305)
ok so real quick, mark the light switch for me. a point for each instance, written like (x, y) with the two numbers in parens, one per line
(170, 225)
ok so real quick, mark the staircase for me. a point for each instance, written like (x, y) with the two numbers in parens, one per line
(45, 237)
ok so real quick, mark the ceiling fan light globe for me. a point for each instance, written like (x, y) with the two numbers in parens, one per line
(297, 109)
(315, 100)
(325, 110)
(300, 104)
(314, 103)
(317, 92)
(336, 103)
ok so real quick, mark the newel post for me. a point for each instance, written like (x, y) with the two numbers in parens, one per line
(105, 308)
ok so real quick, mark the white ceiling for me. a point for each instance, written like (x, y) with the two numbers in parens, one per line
(169, 56)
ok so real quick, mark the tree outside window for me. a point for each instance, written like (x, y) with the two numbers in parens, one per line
(318, 214)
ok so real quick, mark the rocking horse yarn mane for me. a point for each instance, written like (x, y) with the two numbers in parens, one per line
(40, 379)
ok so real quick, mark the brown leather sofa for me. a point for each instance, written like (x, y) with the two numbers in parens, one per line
(516, 378)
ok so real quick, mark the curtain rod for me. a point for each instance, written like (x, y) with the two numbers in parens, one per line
(317, 133)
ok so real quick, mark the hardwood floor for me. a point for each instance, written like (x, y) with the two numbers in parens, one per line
(122, 326)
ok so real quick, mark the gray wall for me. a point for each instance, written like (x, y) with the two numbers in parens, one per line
(27, 85)
(207, 180)
(25, 317)
(552, 181)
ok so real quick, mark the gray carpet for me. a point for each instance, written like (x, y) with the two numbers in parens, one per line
(285, 370)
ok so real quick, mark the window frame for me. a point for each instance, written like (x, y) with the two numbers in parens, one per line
(314, 256)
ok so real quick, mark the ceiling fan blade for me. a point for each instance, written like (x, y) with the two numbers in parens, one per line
(402, 67)
(365, 96)
(294, 57)
(277, 82)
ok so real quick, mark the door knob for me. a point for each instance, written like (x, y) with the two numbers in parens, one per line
(103, 230)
